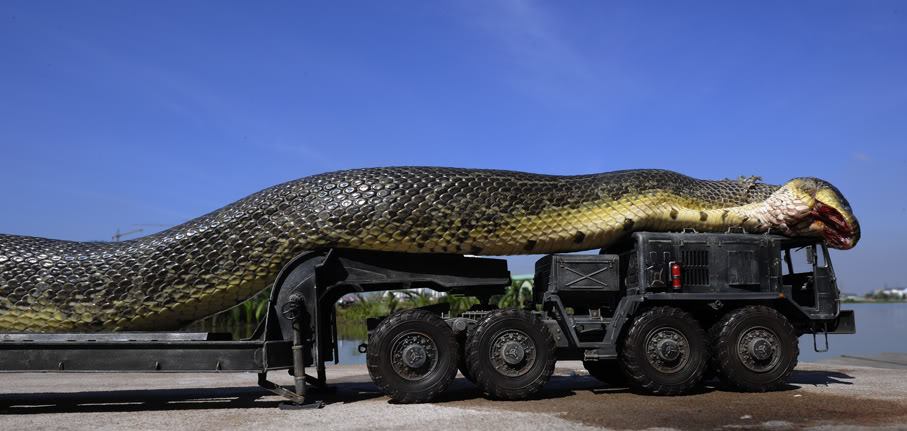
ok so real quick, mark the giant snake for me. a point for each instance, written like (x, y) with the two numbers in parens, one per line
(165, 280)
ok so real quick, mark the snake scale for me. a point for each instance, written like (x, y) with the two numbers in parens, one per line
(165, 280)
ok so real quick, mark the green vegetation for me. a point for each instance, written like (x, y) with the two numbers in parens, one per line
(368, 306)
(239, 321)
(519, 292)
(242, 319)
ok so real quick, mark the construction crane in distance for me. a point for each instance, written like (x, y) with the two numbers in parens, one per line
(118, 235)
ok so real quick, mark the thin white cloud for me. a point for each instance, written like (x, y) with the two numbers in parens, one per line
(546, 62)
(533, 37)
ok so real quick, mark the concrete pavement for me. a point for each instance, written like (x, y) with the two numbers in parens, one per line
(820, 396)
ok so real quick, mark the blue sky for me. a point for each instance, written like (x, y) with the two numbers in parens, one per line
(122, 113)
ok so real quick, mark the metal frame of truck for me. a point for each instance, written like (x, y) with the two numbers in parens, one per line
(584, 306)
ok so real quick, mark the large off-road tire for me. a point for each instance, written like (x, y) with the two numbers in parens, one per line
(665, 352)
(754, 349)
(607, 371)
(412, 356)
(510, 354)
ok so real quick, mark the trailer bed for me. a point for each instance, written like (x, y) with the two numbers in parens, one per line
(140, 352)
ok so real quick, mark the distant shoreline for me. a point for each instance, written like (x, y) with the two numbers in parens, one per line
(873, 301)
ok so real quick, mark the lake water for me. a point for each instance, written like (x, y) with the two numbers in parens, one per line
(349, 353)
(880, 328)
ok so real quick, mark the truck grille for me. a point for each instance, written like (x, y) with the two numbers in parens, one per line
(695, 268)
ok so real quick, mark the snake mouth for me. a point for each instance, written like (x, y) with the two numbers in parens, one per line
(838, 230)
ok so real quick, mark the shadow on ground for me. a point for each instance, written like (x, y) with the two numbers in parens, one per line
(170, 399)
(221, 398)
(820, 378)
(347, 390)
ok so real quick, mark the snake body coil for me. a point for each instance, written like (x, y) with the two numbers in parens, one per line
(216, 261)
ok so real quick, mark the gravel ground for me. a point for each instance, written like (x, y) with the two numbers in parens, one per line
(821, 396)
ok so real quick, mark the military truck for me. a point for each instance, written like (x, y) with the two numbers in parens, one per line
(656, 312)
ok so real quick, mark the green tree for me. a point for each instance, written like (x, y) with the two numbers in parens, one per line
(517, 294)
(391, 301)
(417, 299)
(458, 303)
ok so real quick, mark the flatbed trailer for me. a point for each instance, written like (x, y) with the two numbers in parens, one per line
(298, 331)
(654, 312)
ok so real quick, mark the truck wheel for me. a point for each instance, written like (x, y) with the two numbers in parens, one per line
(607, 371)
(754, 349)
(412, 356)
(664, 352)
(510, 354)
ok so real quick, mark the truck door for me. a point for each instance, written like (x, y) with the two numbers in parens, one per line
(807, 270)
(826, 286)
(798, 273)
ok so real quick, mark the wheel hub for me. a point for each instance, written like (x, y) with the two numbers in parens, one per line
(667, 350)
(413, 355)
(758, 349)
(512, 353)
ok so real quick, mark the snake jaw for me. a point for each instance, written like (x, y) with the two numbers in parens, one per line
(835, 227)
(829, 214)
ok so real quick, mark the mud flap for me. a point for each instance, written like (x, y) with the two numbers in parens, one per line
(844, 324)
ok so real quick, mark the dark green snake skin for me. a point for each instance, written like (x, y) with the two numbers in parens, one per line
(211, 263)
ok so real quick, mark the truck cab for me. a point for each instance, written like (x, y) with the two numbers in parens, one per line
(734, 267)
(731, 265)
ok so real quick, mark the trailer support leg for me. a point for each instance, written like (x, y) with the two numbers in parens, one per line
(299, 372)
(298, 399)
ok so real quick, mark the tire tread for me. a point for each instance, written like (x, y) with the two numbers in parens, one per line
(719, 339)
(631, 362)
(373, 359)
(482, 377)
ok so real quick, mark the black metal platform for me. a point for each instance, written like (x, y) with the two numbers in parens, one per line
(140, 352)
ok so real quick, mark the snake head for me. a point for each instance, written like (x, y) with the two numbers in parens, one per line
(829, 216)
